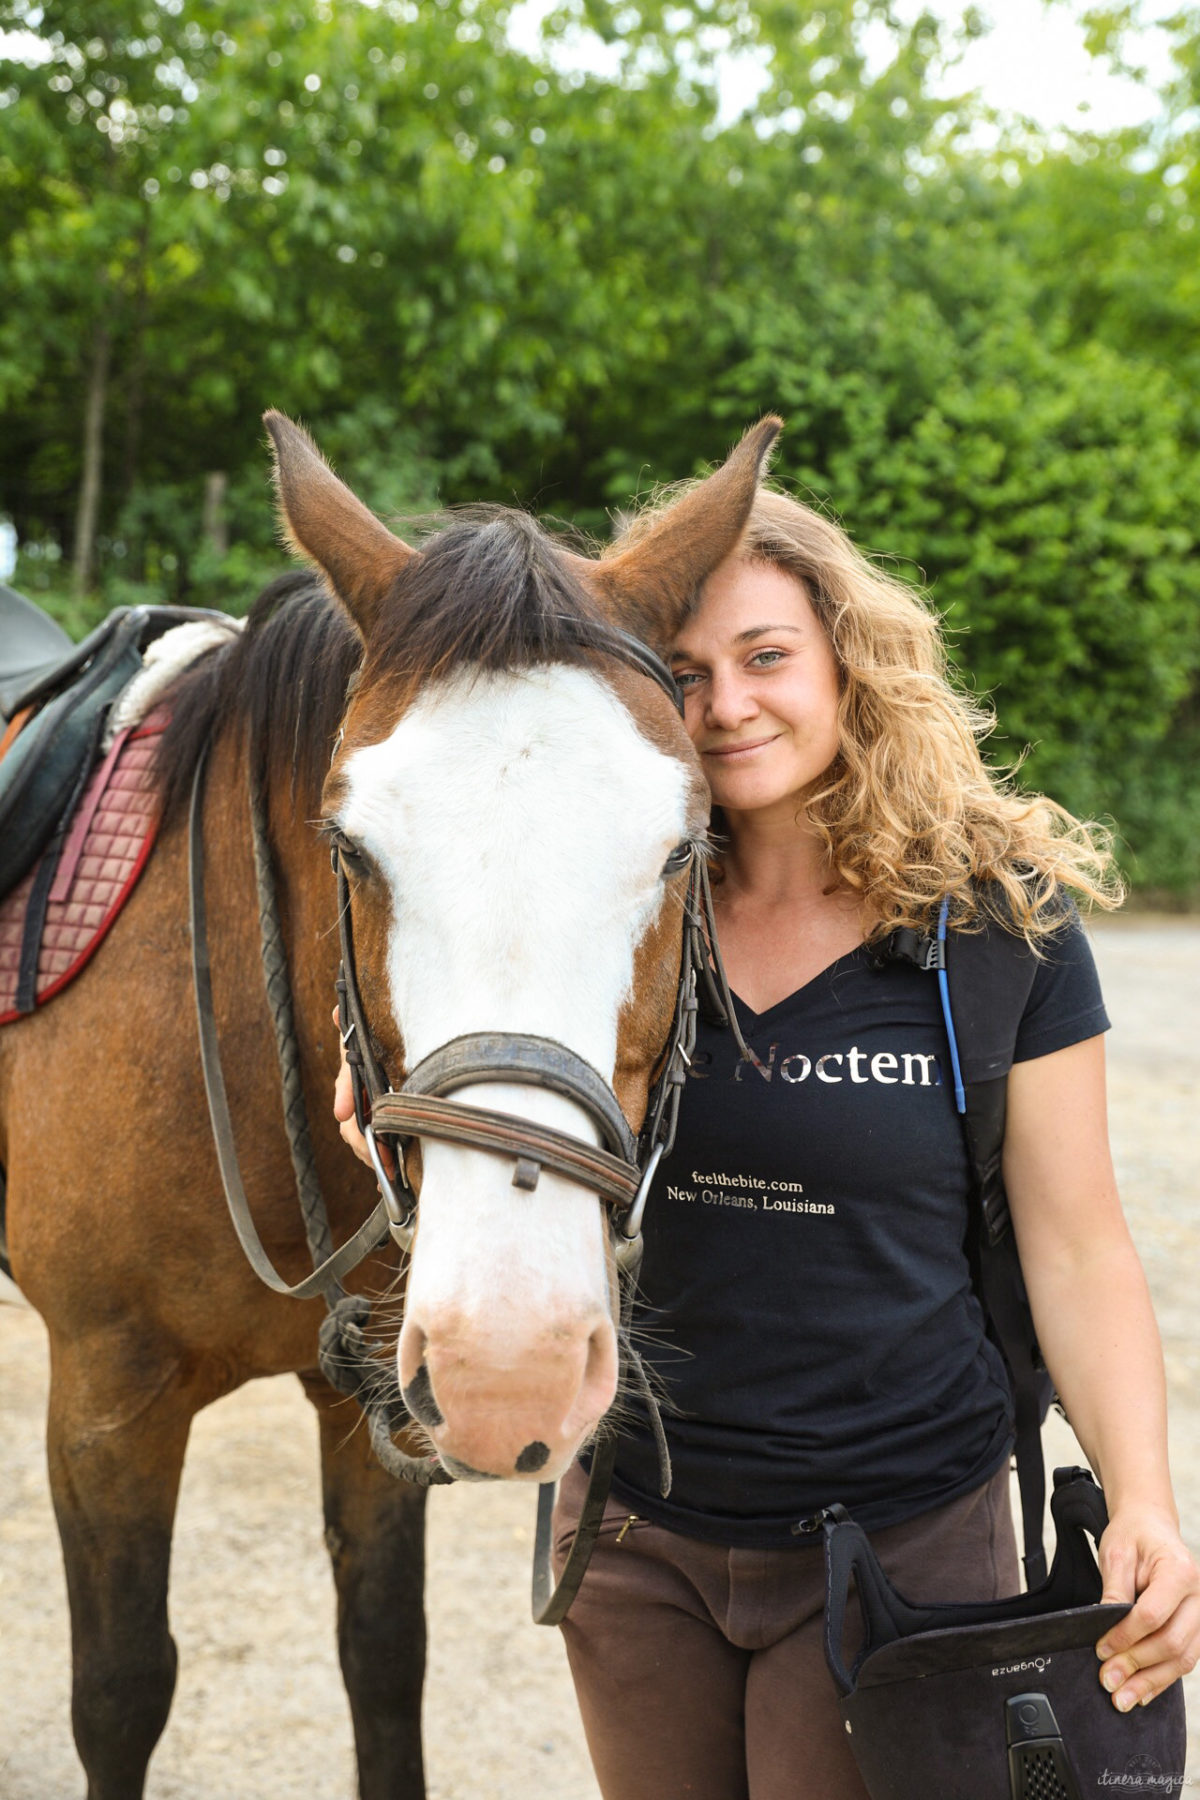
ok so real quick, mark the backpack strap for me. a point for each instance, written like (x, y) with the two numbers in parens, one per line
(984, 981)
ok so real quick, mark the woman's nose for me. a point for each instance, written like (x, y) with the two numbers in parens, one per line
(729, 701)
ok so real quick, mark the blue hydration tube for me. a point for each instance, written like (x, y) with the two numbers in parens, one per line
(960, 1098)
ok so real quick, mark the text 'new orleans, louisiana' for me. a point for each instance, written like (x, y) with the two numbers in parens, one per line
(715, 1188)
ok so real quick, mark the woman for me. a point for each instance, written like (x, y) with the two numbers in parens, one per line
(807, 1301)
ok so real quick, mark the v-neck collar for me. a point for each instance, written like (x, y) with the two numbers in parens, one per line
(754, 1020)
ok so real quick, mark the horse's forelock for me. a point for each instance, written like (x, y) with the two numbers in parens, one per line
(491, 590)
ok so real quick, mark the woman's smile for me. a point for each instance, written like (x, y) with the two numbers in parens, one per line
(732, 752)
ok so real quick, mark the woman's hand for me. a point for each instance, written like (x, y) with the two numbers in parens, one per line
(1144, 1559)
(343, 1112)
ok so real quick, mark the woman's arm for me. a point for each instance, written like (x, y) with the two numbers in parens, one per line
(1096, 1327)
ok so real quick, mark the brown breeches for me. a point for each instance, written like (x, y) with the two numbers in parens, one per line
(699, 1669)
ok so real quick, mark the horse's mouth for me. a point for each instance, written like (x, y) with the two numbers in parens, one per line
(462, 1471)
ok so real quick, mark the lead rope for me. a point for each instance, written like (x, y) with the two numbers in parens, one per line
(652, 1407)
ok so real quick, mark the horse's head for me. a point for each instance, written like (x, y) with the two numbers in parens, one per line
(510, 796)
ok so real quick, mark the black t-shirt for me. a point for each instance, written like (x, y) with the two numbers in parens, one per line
(806, 1303)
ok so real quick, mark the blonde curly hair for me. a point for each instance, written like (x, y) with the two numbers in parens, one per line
(909, 812)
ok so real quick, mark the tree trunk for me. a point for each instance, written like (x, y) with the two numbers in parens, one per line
(134, 383)
(93, 456)
(216, 527)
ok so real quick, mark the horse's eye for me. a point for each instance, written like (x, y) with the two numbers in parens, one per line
(679, 858)
(350, 853)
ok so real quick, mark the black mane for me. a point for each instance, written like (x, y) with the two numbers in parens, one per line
(489, 591)
(282, 680)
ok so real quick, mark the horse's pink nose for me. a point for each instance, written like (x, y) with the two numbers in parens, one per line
(495, 1412)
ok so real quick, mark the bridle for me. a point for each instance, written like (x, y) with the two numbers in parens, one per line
(620, 1170)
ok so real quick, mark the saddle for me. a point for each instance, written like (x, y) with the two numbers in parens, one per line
(77, 808)
(54, 697)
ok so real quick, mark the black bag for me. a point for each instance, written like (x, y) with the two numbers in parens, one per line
(1000, 1699)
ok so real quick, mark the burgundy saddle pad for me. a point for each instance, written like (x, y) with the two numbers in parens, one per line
(105, 851)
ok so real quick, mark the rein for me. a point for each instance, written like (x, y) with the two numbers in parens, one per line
(344, 1352)
(620, 1173)
(327, 1272)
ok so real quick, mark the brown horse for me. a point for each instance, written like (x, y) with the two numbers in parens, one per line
(507, 795)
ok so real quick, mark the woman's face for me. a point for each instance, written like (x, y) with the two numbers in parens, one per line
(760, 688)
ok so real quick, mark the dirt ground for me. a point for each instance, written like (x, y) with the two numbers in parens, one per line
(259, 1713)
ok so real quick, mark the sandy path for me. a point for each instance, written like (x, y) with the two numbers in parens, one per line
(259, 1713)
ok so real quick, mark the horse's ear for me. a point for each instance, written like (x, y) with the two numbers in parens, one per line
(652, 587)
(325, 522)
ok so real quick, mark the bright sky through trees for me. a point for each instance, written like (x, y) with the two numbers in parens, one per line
(1032, 61)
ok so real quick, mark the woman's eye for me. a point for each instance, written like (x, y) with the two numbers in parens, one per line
(685, 679)
(765, 659)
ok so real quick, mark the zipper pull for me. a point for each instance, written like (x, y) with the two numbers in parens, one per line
(633, 1519)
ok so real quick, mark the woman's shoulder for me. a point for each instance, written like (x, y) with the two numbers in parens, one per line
(1013, 998)
(1037, 910)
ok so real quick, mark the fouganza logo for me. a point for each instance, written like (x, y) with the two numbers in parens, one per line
(1040, 1663)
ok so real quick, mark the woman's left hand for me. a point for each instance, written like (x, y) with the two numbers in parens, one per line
(1144, 1559)
(344, 1113)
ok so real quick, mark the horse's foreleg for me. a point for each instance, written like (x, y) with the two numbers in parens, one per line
(375, 1531)
(118, 1428)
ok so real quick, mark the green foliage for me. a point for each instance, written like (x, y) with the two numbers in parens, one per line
(476, 272)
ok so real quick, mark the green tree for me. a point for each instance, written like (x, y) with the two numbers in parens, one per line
(557, 278)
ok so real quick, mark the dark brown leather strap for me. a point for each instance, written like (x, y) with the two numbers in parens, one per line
(529, 1061)
(530, 1146)
(551, 1602)
(374, 1229)
(714, 983)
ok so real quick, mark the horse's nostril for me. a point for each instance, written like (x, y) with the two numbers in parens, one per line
(533, 1457)
(418, 1397)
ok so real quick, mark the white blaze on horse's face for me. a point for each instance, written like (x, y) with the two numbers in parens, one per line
(521, 822)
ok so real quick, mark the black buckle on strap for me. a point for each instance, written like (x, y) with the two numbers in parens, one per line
(904, 944)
